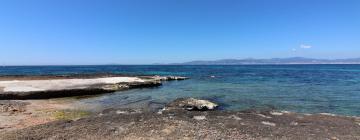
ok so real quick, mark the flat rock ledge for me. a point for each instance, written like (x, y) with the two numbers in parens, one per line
(21, 88)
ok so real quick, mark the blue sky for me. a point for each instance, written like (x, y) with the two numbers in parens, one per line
(42, 32)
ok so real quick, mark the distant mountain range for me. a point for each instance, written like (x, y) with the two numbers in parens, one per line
(291, 60)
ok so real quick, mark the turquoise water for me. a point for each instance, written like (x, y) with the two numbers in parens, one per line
(298, 88)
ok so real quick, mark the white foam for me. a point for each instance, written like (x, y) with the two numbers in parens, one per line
(327, 114)
(276, 113)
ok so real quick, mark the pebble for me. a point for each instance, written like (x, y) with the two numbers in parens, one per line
(161, 111)
(27, 113)
(276, 113)
(327, 114)
(121, 112)
(261, 115)
(268, 123)
(235, 117)
(294, 123)
(199, 118)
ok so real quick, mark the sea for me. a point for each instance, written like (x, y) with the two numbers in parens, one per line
(331, 89)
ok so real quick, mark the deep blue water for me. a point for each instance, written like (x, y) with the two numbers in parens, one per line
(299, 88)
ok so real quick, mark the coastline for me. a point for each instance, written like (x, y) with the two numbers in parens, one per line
(178, 123)
(47, 118)
(31, 100)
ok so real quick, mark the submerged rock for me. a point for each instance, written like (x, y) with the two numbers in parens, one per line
(169, 78)
(176, 78)
(192, 104)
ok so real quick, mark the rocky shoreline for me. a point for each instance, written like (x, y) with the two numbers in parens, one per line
(177, 121)
(31, 100)
(183, 118)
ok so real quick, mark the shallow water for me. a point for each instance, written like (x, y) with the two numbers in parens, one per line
(299, 88)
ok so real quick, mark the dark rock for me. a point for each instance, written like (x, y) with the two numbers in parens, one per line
(192, 104)
(182, 124)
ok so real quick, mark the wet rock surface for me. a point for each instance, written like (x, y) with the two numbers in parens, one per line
(183, 124)
(164, 78)
(192, 104)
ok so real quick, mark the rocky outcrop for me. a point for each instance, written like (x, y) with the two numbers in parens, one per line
(54, 88)
(192, 104)
(93, 90)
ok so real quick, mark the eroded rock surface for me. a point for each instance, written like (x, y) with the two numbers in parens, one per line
(53, 87)
(132, 124)
(169, 78)
(192, 104)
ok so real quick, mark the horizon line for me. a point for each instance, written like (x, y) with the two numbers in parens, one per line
(183, 63)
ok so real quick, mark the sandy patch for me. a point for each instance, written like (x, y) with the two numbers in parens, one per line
(36, 112)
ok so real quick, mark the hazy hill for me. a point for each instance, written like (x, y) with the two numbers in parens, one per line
(291, 60)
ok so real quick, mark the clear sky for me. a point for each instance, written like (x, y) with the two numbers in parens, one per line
(41, 32)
